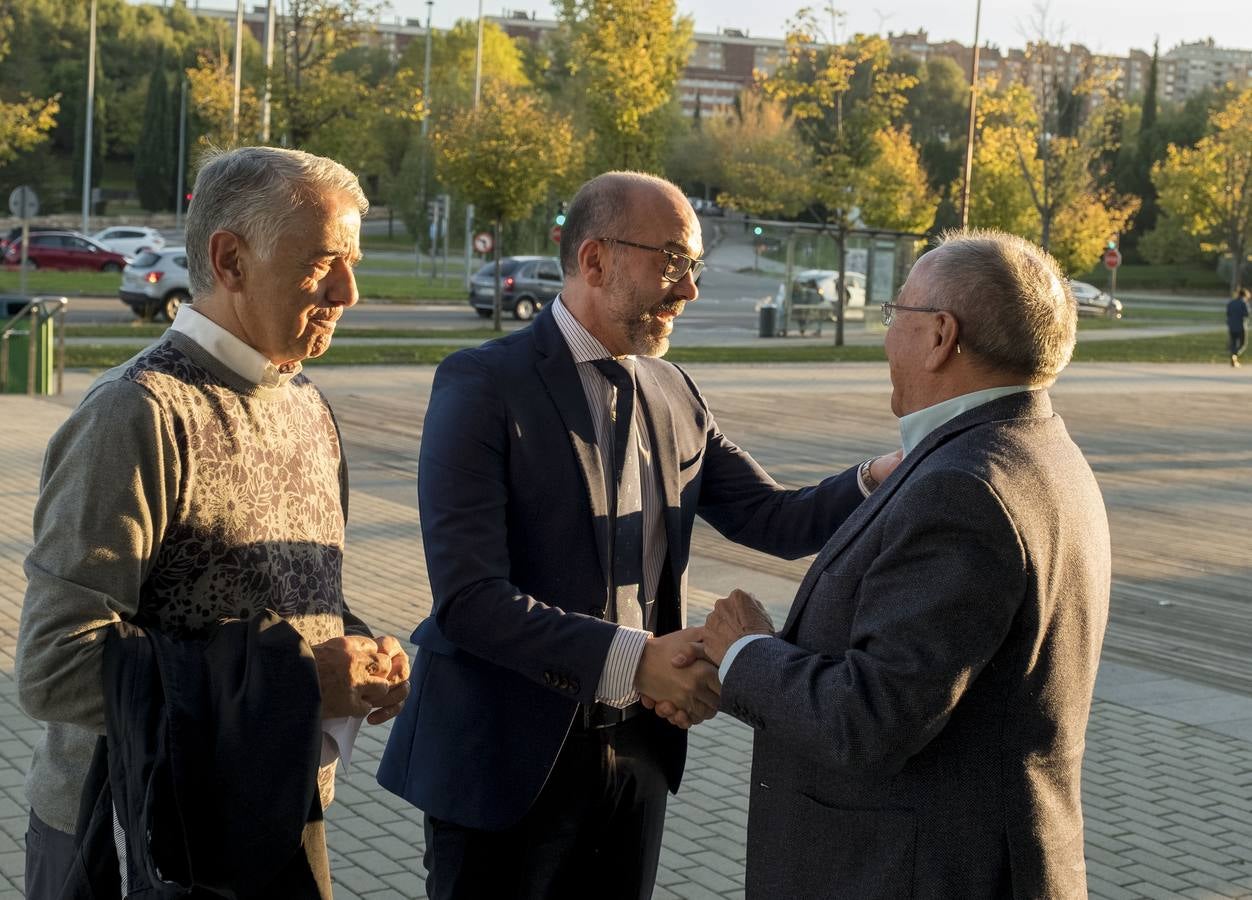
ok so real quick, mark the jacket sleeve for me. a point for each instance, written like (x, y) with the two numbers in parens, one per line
(109, 488)
(931, 611)
(746, 505)
(463, 494)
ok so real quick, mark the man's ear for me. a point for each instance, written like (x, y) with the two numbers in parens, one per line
(225, 252)
(944, 338)
(591, 262)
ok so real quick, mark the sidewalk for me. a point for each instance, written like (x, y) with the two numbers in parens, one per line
(1168, 768)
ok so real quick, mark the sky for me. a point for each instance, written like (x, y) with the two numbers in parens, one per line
(1104, 26)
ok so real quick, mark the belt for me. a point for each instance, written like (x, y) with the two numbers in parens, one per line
(594, 716)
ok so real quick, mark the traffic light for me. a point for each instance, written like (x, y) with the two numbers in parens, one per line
(758, 231)
(560, 213)
(1110, 244)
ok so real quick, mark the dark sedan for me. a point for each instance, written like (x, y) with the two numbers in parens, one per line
(527, 283)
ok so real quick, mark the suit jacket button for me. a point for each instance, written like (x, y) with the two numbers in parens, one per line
(573, 685)
(547, 678)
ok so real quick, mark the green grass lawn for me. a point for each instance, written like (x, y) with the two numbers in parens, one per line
(106, 284)
(1206, 347)
(144, 331)
(1191, 278)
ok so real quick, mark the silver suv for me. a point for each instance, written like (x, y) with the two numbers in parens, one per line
(157, 283)
(527, 284)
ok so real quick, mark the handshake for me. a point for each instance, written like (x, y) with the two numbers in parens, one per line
(677, 676)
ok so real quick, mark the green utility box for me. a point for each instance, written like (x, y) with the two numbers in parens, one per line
(15, 349)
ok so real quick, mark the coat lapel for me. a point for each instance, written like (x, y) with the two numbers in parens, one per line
(559, 375)
(660, 421)
(1028, 404)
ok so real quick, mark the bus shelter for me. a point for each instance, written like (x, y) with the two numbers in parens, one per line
(831, 274)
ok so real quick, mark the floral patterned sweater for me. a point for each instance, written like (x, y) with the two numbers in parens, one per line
(176, 495)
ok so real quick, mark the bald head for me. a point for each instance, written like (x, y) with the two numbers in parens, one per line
(609, 205)
(1016, 311)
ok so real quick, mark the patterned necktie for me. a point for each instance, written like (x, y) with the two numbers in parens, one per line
(626, 502)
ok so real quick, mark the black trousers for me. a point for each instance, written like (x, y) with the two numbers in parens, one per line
(1238, 341)
(594, 831)
(49, 856)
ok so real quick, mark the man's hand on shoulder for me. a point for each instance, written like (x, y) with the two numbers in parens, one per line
(359, 674)
(733, 617)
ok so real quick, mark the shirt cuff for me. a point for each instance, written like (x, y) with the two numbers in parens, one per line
(338, 738)
(733, 651)
(617, 679)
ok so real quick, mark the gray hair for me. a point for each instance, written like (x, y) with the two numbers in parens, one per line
(1015, 307)
(600, 207)
(255, 192)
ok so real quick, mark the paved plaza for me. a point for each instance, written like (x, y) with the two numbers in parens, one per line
(1168, 769)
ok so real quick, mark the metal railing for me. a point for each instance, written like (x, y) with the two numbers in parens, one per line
(37, 311)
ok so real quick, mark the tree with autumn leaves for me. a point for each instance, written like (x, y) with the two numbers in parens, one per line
(1206, 190)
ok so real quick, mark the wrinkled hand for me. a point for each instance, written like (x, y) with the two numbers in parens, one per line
(397, 678)
(883, 466)
(665, 708)
(733, 617)
(353, 675)
(689, 693)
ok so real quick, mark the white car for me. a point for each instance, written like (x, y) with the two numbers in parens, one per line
(156, 283)
(130, 240)
(1094, 302)
(817, 286)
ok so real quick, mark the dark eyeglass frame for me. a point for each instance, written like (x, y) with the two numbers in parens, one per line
(889, 311)
(674, 270)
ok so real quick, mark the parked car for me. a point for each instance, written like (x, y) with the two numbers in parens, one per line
(526, 284)
(813, 287)
(129, 240)
(157, 283)
(65, 250)
(15, 234)
(1094, 302)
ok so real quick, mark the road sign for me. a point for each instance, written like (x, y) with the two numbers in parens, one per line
(483, 242)
(555, 233)
(1112, 258)
(24, 202)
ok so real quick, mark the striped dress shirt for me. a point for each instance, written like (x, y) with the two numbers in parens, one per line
(617, 679)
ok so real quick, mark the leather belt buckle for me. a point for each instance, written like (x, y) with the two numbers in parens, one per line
(595, 716)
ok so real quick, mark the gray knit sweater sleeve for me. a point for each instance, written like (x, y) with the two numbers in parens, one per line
(110, 482)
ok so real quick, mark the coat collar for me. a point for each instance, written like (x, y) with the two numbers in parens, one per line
(1035, 404)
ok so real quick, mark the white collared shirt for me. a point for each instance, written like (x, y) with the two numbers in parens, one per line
(617, 678)
(230, 351)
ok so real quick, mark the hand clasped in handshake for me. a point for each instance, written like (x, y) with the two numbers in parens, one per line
(677, 676)
(359, 674)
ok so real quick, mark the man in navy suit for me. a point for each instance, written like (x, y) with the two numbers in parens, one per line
(560, 474)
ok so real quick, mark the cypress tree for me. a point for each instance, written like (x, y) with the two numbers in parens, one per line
(154, 156)
(1148, 150)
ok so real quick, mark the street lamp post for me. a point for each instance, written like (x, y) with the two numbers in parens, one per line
(234, 113)
(430, 6)
(91, 115)
(973, 112)
(269, 71)
(469, 207)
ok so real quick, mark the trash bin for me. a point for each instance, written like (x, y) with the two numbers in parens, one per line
(16, 347)
(768, 320)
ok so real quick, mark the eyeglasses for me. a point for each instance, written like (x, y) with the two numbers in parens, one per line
(889, 311)
(677, 265)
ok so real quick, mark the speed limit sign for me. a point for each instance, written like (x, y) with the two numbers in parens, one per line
(483, 242)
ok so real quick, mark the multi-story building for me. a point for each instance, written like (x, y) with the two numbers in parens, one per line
(722, 64)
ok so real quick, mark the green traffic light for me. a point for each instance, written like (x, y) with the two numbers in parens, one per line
(758, 230)
(560, 219)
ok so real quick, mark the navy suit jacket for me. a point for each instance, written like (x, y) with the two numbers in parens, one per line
(515, 525)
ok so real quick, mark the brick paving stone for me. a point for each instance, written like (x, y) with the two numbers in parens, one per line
(1168, 805)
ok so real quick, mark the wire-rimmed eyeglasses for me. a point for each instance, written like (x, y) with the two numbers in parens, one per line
(889, 311)
(677, 265)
